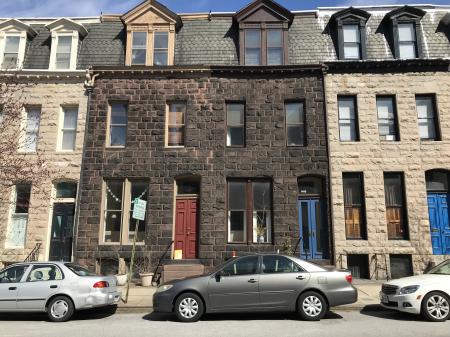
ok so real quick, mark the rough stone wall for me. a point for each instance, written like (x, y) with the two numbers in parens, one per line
(372, 156)
(50, 95)
(205, 154)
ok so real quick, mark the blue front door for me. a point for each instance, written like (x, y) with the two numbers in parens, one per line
(439, 223)
(312, 229)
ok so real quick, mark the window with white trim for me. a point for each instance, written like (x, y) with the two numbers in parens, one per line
(427, 117)
(117, 124)
(63, 52)
(139, 48)
(31, 129)
(11, 52)
(176, 117)
(68, 128)
(348, 119)
(407, 42)
(161, 48)
(352, 41)
(19, 216)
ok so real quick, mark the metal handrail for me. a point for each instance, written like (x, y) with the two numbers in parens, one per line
(159, 261)
(34, 254)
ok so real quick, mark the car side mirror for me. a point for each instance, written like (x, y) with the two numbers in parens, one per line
(218, 275)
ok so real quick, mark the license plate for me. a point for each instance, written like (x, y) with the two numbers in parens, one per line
(384, 298)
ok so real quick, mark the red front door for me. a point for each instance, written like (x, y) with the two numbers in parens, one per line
(186, 227)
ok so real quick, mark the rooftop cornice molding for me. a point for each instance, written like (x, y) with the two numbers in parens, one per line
(351, 12)
(67, 24)
(271, 5)
(43, 74)
(19, 25)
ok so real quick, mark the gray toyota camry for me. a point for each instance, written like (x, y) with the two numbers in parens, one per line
(258, 283)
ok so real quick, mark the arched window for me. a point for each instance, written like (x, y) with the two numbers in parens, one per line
(310, 186)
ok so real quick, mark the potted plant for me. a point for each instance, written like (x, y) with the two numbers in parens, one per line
(144, 267)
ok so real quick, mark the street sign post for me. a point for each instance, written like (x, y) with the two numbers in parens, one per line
(139, 209)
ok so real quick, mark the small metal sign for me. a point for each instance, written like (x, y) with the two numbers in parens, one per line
(139, 209)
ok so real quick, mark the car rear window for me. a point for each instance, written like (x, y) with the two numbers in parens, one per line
(80, 271)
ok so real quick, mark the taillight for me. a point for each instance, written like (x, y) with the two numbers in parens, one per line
(349, 278)
(101, 284)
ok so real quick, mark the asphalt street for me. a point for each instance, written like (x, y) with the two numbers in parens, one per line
(338, 323)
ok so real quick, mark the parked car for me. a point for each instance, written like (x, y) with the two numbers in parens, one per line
(427, 294)
(57, 288)
(257, 283)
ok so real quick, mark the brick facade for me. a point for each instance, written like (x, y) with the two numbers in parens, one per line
(372, 157)
(205, 153)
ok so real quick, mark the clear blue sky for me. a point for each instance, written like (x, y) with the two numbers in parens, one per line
(39, 8)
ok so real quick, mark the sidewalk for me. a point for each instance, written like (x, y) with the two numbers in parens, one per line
(140, 298)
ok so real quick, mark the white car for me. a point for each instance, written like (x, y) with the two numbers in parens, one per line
(427, 294)
(57, 288)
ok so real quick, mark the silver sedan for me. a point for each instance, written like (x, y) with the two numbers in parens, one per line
(57, 288)
(258, 283)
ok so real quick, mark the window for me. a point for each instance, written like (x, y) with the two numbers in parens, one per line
(387, 118)
(295, 124)
(118, 124)
(253, 47)
(66, 190)
(351, 41)
(348, 122)
(161, 48)
(11, 52)
(19, 217)
(355, 226)
(63, 52)
(250, 211)
(44, 273)
(400, 265)
(274, 46)
(243, 266)
(395, 206)
(427, 119)
(279, 264)
(31, 129)
(139, 48)
(176, 124)
(235, 124)
(13, 274)
(407, 40)
(118, 208)
(69, 128)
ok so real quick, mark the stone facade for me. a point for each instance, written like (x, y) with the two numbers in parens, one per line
(372, 157)
(50, 95)
(204, 154)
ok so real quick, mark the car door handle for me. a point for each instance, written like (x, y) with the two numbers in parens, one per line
(252, 280)
(300, 277)
(53, 286)
(12, 288)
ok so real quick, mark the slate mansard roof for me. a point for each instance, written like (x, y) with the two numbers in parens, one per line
(214, 39)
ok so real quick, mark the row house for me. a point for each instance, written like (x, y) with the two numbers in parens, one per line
(48, 59)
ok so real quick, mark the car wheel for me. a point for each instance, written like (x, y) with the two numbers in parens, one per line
(60, 309)
(436, 307)
(311, 306)
(189, 307)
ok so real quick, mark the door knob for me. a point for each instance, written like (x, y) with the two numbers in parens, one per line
(12, 288)
(300, 277)
(252, 280)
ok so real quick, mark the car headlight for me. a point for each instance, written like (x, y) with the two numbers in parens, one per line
(164, 287)
(408, 290)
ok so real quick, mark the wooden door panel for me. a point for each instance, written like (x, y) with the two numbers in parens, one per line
(186, 227)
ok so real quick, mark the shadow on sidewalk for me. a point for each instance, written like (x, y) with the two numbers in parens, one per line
(264, 316)
(376, 310)
(83, 315)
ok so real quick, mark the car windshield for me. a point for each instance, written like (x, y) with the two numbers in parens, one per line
(80, 271)
(442, 269)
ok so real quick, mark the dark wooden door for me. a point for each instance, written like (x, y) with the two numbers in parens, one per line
(62, 232)
(186, 220)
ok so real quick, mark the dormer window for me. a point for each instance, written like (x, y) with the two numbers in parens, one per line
(406, 32)
(407, 43)
(13, 40)
(348, 30)
(352, 41)
(263, 33)
(139, 48)
(150, 34)
(66, 35)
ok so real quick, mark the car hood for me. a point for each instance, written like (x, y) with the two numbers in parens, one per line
(424, 279)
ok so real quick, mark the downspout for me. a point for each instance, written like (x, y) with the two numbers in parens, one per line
(89, 86)
(330, 188)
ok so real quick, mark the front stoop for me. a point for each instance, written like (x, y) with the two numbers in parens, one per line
(181, 269)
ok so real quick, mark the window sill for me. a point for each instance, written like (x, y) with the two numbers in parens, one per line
(356, 239)
(114, 147)
(295, 146)
(250, 243)
(429, 141)
(349, 141)
(120, 244)
(66, 151)
(174, 147)
(235, 147)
